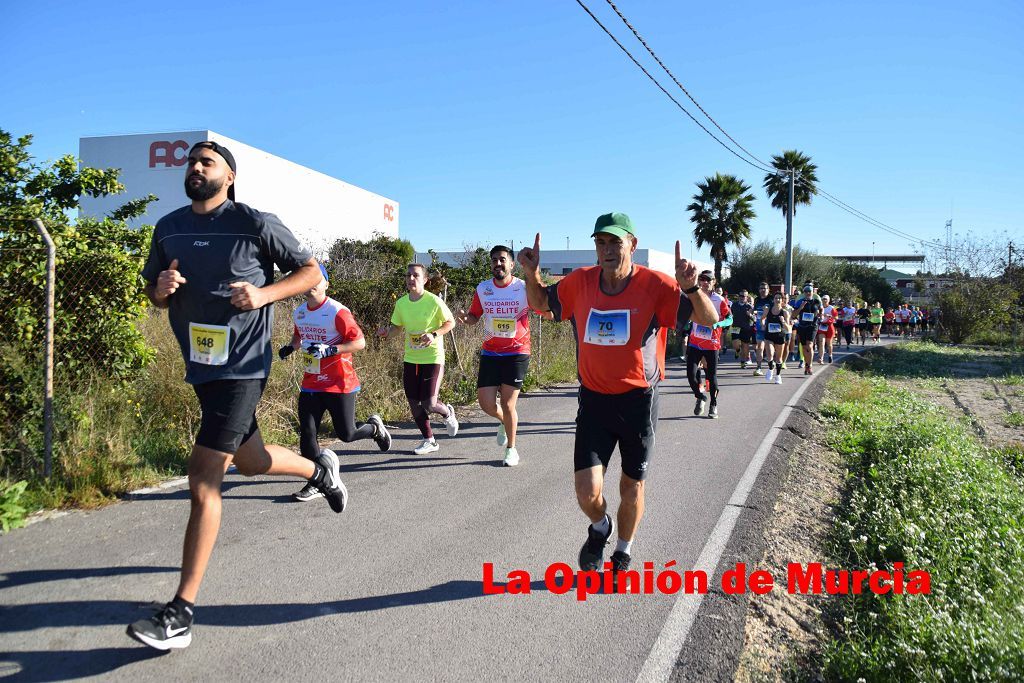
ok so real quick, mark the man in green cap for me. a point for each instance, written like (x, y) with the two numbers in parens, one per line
(621, 312)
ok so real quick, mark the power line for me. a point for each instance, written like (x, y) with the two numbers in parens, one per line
(681, 87)
(756, 163)
(864, 217)
(669, 95)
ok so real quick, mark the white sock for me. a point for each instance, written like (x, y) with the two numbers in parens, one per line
(623, 546)
(604, 526)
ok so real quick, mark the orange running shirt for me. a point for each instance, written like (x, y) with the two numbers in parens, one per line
(620, 338)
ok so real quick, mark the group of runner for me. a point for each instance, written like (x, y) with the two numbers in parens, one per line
(211, 265)
(909, 321)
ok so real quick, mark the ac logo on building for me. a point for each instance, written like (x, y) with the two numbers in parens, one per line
(166, 153)
(389, 212)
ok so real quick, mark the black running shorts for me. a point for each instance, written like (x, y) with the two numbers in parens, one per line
(806, 334)
(606, 420)
(229, 412)
(776, 338)
(498, 370)
(746, 334)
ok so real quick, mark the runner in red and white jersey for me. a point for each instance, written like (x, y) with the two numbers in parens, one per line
(704, 344)
(826, 329)
(327, 334)
(505, 357)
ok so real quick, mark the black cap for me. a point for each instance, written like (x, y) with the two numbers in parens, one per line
(226, 154)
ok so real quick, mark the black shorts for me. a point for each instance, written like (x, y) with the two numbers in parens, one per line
(734, 336)
(806, 334)
(776, 338)
(229, 412)
(604, 420)
(498, 370)
(746, 334)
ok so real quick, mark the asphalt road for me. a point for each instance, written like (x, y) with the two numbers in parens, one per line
(392, 588)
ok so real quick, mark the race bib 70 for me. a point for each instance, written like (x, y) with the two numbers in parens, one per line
(607, 328)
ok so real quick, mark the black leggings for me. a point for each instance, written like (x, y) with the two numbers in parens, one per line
(342, 408)
(693, 356)
(848, 334)
(422, 383)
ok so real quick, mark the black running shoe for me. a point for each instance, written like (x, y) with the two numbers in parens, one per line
(698, 409)
(308, 492)
(331, 486)
(168, 629)
(592, 551)
(381, 436)
(620, 561)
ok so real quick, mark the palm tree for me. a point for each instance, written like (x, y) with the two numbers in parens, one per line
(777, 186)
(721, 213)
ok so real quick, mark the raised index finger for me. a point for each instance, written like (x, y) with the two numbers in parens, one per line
(679, 254)
(536, 244)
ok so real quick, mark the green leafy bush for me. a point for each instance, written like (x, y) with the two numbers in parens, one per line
(923, 491)
(12, 512)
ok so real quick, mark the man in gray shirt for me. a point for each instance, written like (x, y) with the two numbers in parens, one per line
(211, 265)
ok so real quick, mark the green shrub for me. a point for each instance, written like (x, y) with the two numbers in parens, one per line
(12, 512)
(922, 490)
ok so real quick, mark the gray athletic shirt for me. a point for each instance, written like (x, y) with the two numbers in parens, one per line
(234, 243)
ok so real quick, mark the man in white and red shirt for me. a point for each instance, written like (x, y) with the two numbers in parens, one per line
(705, 343)
(328, 335)
(505, 357)
(826, 329)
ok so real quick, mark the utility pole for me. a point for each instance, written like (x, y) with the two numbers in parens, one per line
(567, 243)
(789, 234)
(949, 239)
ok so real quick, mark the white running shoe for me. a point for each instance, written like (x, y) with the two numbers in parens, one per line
(768, 375)
(511, 457)
(501, 437)
(451, 422)
(778, 379)
(428, 446)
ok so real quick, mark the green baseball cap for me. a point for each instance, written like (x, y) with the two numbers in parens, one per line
(617, 224)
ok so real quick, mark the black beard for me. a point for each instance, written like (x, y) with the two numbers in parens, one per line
(208, 190)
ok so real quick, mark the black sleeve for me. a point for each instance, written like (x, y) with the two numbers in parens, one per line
(281, 244)
(553, 303)
(684, 312)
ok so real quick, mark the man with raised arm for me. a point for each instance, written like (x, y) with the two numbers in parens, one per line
(505, 356)
(621, 312)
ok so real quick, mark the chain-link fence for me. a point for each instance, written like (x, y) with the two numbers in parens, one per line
(27, 263)
(67, 316)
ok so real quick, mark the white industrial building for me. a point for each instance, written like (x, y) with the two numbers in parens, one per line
(564, 261)
(319, 209)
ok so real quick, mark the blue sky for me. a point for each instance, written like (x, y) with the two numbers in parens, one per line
(491, 120)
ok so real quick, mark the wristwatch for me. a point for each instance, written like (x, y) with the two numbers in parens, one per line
(691, 290)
